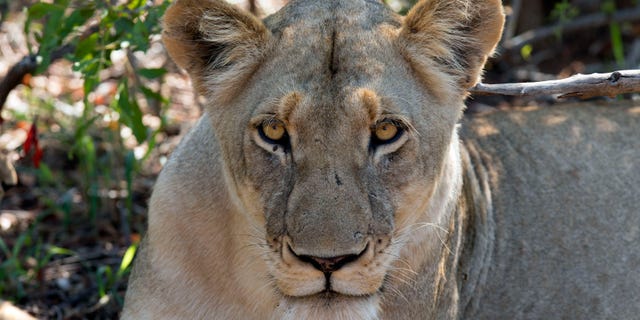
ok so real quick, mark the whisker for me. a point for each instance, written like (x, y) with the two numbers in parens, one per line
(431, 224)
(403, 261)
(402, 278)
(396, 292)
(406, 232)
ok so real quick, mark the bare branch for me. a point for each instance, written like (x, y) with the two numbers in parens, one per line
(579, 85)
(14, 76)
(581, 23)
(29, 64)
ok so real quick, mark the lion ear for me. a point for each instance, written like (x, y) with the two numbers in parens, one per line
(214, 41)
(455, 36)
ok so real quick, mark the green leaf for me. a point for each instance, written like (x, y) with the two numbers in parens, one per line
(41, 9)
(81, 133)
(86, 151)
(76, 19)
(45, 175)
(5, 249)
(135, 4)
(140, 36)
(86, 48)
(129, 169)
(23, 240)
(152, 73)
(60, 251)
(617, 44)
(525, 52)
(103, 278)
(608, 6)
(150, 94)
(152, 21)
(123, 25)
(52, 33)
(26, 29)
(127, 259)
(130, 113)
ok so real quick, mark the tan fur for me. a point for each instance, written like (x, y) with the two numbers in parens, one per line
(217, 224)
(240, 226)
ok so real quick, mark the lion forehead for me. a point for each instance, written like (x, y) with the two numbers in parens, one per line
(320, 42)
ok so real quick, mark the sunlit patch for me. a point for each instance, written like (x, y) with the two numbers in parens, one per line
(485, 128)
(555, 119)
(606, 125)
(634, 110)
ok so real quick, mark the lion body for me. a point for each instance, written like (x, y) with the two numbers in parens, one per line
(564, 187)
(333, 221)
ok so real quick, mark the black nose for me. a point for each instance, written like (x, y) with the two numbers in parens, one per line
(331, 264)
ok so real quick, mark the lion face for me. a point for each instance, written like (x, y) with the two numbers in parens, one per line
(336, 162)
(336, 121)
(338, 183)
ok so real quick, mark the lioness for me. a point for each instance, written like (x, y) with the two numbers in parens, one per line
(327, 179)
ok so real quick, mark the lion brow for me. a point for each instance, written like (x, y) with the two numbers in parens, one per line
(288, 104)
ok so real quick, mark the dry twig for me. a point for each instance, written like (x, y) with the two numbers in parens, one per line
(29, 64)
(579, 85)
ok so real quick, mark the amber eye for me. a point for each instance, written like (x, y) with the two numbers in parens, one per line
(273, 130)
(386, 131)
(274, 133)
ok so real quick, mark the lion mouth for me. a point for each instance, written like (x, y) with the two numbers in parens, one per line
(346, 276)
(329, 266)
(332, 295)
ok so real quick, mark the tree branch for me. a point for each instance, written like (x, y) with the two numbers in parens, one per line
(29, 64)
(579, 85)
(581, 23)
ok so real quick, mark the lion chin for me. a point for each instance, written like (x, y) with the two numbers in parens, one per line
(328, 305)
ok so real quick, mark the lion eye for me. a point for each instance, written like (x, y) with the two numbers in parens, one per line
(386, 131)
(273, 130)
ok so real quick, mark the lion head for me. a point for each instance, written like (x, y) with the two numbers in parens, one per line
(336, 126)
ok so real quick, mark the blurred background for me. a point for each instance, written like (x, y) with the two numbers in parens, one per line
(92, 107)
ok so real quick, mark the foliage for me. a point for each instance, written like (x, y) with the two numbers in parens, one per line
(95, 30)
(24, 261)
(88, 34)
(609, 7)
(563, 12)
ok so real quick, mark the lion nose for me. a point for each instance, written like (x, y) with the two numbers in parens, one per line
(331, 264)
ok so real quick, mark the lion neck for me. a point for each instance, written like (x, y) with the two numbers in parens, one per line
(476, 228)
(448, 260)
